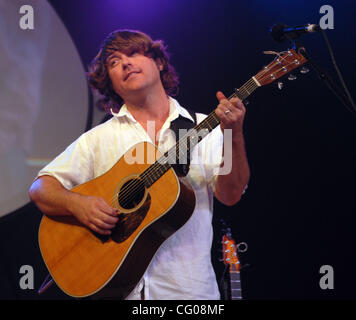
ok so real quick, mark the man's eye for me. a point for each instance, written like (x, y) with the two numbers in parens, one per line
(113, 62)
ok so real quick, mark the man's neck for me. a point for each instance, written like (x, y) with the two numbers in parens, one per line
(153, 106)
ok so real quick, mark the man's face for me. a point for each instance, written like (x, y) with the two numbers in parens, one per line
(132, 73)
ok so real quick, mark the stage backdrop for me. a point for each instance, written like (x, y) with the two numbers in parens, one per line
(44, 96)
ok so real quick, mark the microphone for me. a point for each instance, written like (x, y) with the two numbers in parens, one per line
(281, 32)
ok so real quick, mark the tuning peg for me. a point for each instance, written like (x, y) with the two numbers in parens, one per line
(304, 70)
(280, 85)
(292, 77)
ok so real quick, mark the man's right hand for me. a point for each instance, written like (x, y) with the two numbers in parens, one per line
(95, 213)
(53, 199)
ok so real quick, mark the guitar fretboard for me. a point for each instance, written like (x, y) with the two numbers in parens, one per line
(235, 284)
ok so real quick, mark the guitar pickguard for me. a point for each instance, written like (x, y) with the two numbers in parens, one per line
(129, 222)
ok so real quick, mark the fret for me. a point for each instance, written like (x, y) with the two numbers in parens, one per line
(243, 92)
(147, 180)
(236, 293)
(210, 122)
(235, 275)
(235, 281)
(161, 170)
(209, 126)
(240, 94)
(154, 175)
(215, 119)
(154, 172)
(189, 141)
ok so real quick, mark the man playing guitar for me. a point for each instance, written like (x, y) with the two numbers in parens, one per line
(134, 74)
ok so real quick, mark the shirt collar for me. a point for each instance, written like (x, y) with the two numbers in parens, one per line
(175, 110)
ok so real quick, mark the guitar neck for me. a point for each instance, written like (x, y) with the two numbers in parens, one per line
(235, 285)
(212, 120)
(181, 150)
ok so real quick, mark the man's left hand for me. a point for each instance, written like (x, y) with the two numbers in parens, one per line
(231, 113)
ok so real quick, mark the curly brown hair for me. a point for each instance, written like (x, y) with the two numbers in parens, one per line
(129, 42)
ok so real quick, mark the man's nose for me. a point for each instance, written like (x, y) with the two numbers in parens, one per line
(125, 62)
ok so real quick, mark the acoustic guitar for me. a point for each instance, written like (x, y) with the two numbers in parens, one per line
(153, 204)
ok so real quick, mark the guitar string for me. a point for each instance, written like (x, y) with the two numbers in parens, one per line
(249, 86)
(247, 89)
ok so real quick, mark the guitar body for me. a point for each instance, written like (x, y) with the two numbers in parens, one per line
(82, 263)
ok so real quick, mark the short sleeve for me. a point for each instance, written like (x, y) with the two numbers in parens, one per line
(73, 166)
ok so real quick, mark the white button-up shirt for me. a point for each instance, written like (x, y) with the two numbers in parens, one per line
(181, 268)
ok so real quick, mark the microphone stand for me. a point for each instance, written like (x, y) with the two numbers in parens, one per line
(322, 75)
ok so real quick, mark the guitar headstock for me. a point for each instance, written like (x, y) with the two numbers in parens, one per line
(284, 63)
(231, 260)
(230, 256)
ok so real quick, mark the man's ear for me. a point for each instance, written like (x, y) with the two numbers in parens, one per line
(159, 64)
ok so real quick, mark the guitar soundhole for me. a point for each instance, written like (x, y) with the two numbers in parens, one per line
(131, 194)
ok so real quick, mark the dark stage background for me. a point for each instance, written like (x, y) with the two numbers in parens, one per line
(298, 212)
